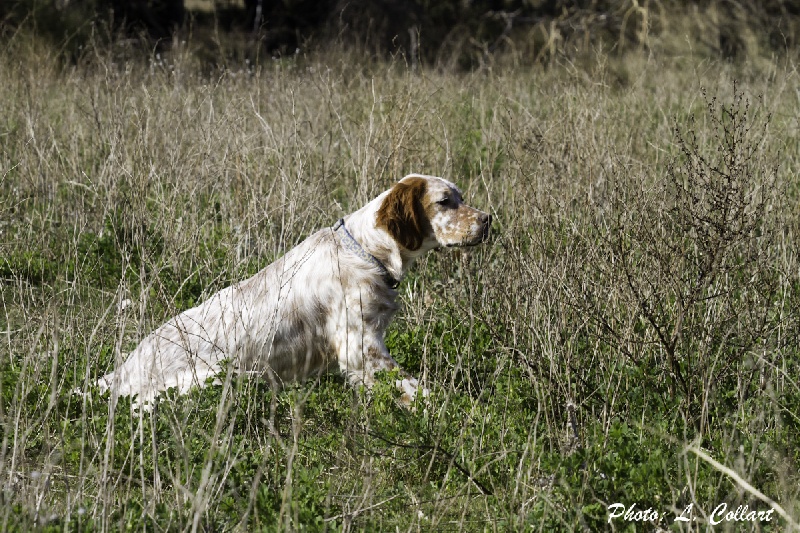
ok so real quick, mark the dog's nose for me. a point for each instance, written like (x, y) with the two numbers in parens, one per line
(486, 223)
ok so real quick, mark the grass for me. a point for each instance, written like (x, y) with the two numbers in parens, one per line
(630, 336)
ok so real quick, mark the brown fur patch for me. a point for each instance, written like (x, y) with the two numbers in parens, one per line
(403, 215)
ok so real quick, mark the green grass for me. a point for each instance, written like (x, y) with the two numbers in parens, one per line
(575, 362)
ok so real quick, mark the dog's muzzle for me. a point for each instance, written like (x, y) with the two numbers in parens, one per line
(485, 221)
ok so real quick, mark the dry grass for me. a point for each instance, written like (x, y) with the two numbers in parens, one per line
(157, 182)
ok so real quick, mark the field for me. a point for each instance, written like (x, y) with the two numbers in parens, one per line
(629, 336)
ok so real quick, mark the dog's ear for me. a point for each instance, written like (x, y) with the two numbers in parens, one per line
(403, 215)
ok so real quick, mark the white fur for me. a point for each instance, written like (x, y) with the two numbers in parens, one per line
(317, 307)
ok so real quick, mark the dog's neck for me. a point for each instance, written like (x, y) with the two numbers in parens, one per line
(378, 242)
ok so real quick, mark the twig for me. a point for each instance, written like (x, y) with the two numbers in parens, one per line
(484, 490)
(359, 511)
(744, 484)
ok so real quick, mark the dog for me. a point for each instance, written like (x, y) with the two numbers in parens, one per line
(325, 303)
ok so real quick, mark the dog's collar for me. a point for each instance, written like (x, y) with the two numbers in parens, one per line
(349, 242)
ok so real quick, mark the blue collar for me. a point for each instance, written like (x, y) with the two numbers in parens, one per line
(352, 245)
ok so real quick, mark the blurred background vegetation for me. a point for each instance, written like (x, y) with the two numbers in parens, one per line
(460, 33)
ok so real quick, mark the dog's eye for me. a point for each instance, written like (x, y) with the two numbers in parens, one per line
(444, 201)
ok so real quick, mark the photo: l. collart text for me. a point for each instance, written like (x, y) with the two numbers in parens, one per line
(721, 513)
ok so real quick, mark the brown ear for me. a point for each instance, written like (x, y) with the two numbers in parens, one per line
(403, 215)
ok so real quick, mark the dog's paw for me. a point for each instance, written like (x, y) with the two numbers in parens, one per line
(410, 390)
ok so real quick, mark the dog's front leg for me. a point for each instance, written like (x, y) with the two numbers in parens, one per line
(360, 361)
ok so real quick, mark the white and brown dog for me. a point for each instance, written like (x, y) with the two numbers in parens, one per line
(326, 302)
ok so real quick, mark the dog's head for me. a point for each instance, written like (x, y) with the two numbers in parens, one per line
(425, 212)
